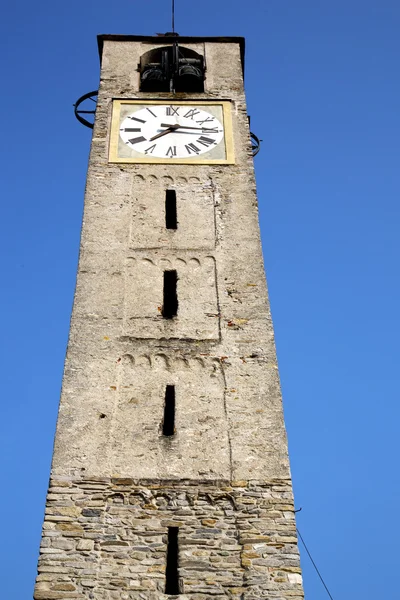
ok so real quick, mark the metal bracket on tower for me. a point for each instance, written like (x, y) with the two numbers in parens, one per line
(255, 144)
(88, 121)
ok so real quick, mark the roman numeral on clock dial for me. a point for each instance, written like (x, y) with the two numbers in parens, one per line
(192, 149)
(206, 141)
(170, 111)
(150, 149)
(137, 140)
(171, 151)
(208, 120)
(191, 113)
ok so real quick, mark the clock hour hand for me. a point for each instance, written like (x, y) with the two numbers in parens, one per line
(169, 130)
(187, 127)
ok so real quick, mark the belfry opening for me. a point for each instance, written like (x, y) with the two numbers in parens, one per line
(172, 68)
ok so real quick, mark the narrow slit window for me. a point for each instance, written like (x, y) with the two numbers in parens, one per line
(169, 411)
(171, 573)
(170, 303)
(171, 218)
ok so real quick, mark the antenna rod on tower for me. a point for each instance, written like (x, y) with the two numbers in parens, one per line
(173, 16)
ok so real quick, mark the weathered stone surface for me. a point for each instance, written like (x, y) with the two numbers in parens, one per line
(219, 351)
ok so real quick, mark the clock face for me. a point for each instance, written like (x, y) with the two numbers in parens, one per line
(180, 132)
(168, 131)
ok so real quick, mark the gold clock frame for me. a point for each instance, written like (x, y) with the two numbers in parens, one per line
(227, 117)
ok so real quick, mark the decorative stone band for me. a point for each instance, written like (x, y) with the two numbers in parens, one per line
(107, 539)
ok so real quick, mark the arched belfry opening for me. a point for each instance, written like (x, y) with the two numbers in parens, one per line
(172, 69)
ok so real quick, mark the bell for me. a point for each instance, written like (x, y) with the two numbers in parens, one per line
(189, 79)
(153, 80)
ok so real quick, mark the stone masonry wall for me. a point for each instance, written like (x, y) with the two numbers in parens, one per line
(106, 539)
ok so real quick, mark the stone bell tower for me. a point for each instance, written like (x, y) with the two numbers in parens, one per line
(170, 474)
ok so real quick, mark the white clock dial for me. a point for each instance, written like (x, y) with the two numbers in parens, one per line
(168, 131)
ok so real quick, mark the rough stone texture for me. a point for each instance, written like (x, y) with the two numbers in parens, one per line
(224, 478)
(106, 538)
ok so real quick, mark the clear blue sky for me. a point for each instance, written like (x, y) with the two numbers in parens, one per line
(323, 91)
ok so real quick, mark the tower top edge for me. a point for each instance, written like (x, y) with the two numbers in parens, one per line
(169, 39)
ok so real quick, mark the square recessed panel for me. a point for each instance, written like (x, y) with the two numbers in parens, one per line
(195, 227)
(200, 432)
(197, 316)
